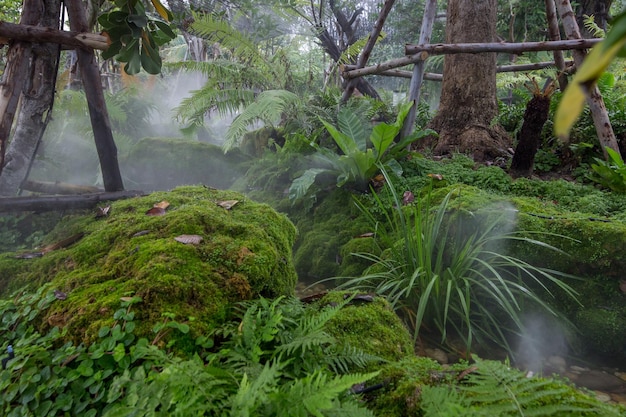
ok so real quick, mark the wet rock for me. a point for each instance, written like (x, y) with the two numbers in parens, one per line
(557, 363)
(601, 396)
(600, 381)
(437, 354)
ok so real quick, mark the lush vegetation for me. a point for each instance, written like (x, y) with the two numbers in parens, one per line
(144, 334)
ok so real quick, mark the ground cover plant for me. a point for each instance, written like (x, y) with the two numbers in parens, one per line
(446, 272)
(274, 358)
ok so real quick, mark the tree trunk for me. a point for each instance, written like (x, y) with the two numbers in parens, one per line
(36, 102)
(468, 98)
(14, 78)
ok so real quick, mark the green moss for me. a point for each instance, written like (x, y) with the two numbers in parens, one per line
(400, 395)
(353, 265)
(245, 253)
(604, 329)
(370, 326)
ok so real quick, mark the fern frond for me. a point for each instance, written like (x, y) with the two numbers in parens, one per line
(592, 26)
(350, 54)
(268, 108)
(318, 392)
(494, 389)
(222, 101)
(214, 29)
(350, 357)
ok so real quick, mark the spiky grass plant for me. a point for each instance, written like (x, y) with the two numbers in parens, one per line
(448, 276)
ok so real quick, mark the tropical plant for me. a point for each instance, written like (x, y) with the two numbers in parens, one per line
(276, 361)
(136, 35)
(495, 389)
(452, 276)
(610, 174)
(233, 82)
(358, 162)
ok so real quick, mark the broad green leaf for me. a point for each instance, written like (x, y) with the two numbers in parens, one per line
(382, 137)
(345, 143)
(301, 185)
(350, 124)
(574, 98)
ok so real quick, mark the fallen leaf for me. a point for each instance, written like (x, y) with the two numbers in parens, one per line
(438, 177)
(243, 254)
(163, 204)
(407, 198)
(60, 295)
(155, 211)
(189, 239)
(102, 211)
(227, 204)
(126, 299)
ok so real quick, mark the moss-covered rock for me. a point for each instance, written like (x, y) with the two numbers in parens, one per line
(369, 324)
(604, 329)
(245, 252)
(164, 163)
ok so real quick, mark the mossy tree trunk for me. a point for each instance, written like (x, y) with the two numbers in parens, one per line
(468, 99)
(529, 137)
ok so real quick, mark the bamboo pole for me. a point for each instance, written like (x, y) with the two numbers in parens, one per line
(476, 48)
(600, 116)
(493, 47)
(431, 76)
(369, 45)
(29, 33)
(430, 10)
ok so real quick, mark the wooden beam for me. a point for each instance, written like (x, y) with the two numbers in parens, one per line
(38, 34)
(431, 76)
(511, 48)
(40, 203)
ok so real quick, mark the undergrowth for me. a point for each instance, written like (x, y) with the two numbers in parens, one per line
(275, 360)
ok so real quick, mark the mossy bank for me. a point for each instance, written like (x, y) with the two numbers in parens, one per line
(244, 252)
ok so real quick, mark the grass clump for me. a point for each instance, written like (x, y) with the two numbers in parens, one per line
(453, 276)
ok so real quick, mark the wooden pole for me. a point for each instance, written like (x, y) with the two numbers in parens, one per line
(555, 35)
(105, 145)
(594, 98)
(51, 203)
(430, 76)
(430, 11)
(477, 48)
(472, 48)
(369, 45)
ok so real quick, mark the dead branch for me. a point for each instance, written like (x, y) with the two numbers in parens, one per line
(29, 33)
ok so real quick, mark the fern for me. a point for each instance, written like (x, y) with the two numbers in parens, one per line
(494, 389)
(267, 108)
